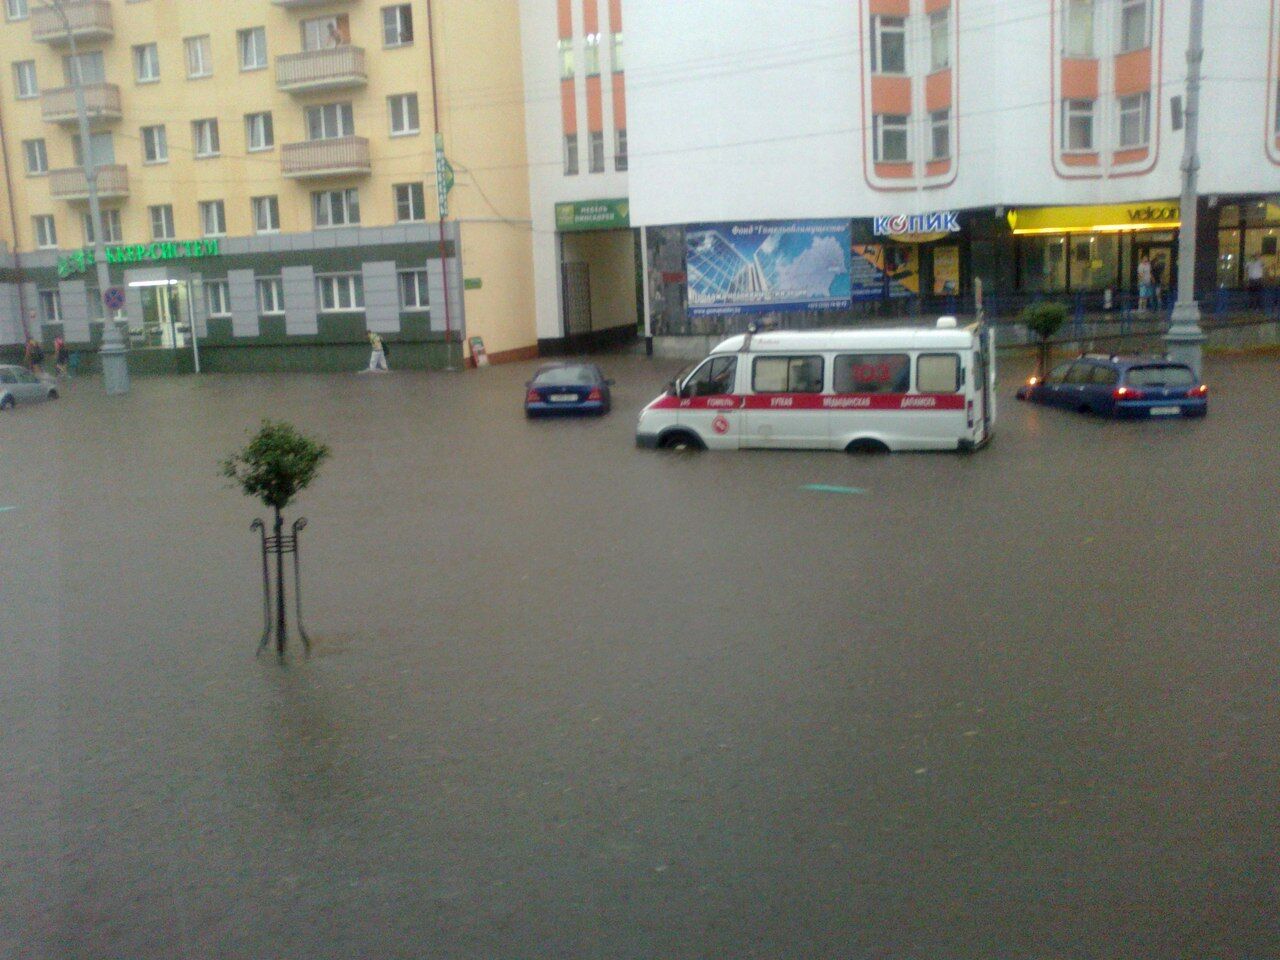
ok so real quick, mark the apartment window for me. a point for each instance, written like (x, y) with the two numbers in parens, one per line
(259, 131)
(205, 136)
(413, 290)
(16, 9)
(940, 134)
(36, 156)
(266, 214)
(591, 55)
(620, 149)
(24, 80)
(199, 57)
(888, 45)
(270, 296)
(397, 25)
(891, 138)
(213, 218)
(335, 208)
(404, 114)
(325, 33)
(1135, 25)
(146, 63)
(50, 306)
(1135, 120)
(218, 298)
(102, 149)
(89, 67)
(341, 292)
(110, 220)
(411, 204)
(252, 44)
(566, 58)
(46, 232)
(329, 121)
(595, 151)
(940, 39)
(1078, 29)
(155, 145)
(570, 154)
(615, 52)
(162, 222)
(1077, 125)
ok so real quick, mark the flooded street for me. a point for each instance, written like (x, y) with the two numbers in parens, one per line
(569, 698)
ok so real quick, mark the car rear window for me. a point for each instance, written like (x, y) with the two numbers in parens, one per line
(1160, 375)
(565, 377)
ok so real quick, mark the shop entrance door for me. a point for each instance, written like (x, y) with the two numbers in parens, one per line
(164, 314)
(1162, 254)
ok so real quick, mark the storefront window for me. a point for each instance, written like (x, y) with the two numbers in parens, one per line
(1229, 258)
(1261, 244)
(1095, 261)
(1251, 231)
(1044, 264)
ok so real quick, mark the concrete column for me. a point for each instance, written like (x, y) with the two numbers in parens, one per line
(300, 315)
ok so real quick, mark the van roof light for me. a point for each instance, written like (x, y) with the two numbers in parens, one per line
(946, 323)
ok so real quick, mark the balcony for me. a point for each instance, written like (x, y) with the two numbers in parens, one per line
(101, 102)
(70, 184)
(338, 157)
(90, 20)
(313, 70)
(303, 4)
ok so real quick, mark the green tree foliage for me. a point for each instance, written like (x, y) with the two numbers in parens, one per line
(276, 465)
(1044, 319)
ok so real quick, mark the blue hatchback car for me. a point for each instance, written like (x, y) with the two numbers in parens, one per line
(567, 388)
(1116, 386)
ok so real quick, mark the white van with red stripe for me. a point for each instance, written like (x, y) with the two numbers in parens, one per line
(916, 388)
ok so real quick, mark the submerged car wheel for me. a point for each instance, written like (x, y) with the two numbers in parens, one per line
(680, 440)
(53, 394)
(867, 445)
(6, 403)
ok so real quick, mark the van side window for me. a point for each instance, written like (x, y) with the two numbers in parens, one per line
(787, 375)
(938, 372)
(712, 379)
(872, 373)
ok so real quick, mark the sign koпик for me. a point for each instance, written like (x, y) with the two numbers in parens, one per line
(946, 221)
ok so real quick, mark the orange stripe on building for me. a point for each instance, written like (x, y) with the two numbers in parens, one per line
(564, 17)
(595, 108)
(1133, 72)
(936, 168)
(894, 171)
(615, 15)
(1080, 159)
(890, 8)
(933, 6)
(590, 17)
(619, 102)
(891, 95)
(937, 90)
(568, 109)
(1131, 156)
(1080, 79)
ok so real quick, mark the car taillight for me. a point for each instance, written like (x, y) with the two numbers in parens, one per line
(1200, 391)
(532, 397)
(1126, 393)
(595, 394)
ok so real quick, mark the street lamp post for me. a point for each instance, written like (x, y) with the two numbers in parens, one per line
(111, 352)
(1185, 337)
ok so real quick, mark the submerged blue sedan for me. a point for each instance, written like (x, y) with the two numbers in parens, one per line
(567, 388)
(1117, 386)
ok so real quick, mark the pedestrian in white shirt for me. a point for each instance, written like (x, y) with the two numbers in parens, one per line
(378, 354)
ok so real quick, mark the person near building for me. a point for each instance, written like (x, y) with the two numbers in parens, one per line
(1254, 272)
(61, 356)
(377, 355)
(1144, 283)
(34, 358)
(1157, 282)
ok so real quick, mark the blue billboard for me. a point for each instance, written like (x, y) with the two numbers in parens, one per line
(737, 268)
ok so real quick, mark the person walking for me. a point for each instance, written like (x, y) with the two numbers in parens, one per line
(378, 353)
(61, 357)
(1144, 283)
(34, 356)
(1254, 273)
(1157, 282)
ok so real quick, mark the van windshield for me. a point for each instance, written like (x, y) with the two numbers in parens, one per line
(1160, 375)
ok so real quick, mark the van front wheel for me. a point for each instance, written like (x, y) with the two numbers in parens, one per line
(680, 440)
(867, 445)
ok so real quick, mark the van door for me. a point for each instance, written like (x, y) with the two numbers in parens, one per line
(784, 402)
(710, 405)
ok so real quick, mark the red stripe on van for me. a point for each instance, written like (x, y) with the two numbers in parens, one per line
(816, 401)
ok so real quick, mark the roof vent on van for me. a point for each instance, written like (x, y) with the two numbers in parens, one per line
(946, 323)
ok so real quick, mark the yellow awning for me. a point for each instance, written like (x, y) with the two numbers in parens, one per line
(1104, 218)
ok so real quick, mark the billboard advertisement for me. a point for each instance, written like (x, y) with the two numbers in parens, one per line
(737, 268)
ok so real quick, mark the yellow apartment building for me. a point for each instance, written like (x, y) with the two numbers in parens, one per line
(268, 179)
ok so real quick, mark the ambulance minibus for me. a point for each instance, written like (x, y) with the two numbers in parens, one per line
(864, 391)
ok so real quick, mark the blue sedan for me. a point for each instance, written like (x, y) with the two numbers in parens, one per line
(1115, 386)
(567, 388)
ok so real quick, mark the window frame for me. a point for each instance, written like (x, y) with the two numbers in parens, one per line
(595, 151)
(266, 122)
(147, 136)
(935, 355)
(420, 197)
(421, 288)
(52, 297)
(570, 144)
(343, 116)
(895, 363)
(564, 53)
(354, 284)
(113, 233)
(1071, 112)
(203, 45)
(347, 194)
(21, 90)
(210, 206)
(1122, 46)
(224, 297)
(1071, 32)
(940, 16)
(42, 149)
(883, 26)
(397, 10)
(792, 362)
(879, 124)
(40, 220)
(272, 205)
(12, 17)
(621, 159)
(215, 139)
(398, 109)
(939, 120)
(252, 34)
(616, 53)
(169, 228)
(591, 54)
(140, 59)
(276, 285)
(1142, 109)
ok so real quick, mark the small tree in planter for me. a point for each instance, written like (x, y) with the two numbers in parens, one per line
(277, 464)
(1044, 320)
